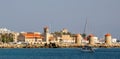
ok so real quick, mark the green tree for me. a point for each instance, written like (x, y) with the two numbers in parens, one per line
(84, 35)
(7, 37)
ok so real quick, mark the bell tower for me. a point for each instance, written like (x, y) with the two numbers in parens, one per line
(46, 34)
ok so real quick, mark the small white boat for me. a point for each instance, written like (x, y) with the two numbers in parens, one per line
(87, 49)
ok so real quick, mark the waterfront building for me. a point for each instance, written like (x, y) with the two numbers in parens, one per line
(64, 36)
(114, 40)
(46, 35)
(15, 36)
(91, 39)
(5, 30)
(108, 39)
(96, 40)
(78, 39)
(30, 37)
(52, 39)
(21, 37)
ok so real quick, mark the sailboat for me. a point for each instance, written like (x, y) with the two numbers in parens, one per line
(86, 48)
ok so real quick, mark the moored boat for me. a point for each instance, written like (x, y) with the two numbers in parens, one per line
(87, 49)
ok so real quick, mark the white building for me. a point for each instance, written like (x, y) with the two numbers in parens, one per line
(114, 40)
(5, 30)
(96, 40)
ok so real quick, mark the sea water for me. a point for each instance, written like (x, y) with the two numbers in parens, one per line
(58, 53)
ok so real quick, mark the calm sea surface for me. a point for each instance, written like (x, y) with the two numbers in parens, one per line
(59, 53)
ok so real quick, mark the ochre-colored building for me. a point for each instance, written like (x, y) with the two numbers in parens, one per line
(30, 37)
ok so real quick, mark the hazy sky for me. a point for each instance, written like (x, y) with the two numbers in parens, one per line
(32, 15)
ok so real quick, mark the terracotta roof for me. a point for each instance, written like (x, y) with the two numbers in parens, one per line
(108, 34)
(32, 38)
(32, 35)
(90, 35)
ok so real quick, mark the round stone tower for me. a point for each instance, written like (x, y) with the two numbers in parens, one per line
(78, 39)
(91, 39)
(108, 39)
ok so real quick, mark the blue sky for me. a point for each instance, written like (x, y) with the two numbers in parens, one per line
(32, 15)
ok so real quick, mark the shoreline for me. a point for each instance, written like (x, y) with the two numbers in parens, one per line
(55, 46)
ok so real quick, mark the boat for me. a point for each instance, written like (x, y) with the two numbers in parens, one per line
(87, 49)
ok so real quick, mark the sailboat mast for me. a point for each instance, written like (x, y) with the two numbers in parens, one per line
(85, 26)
